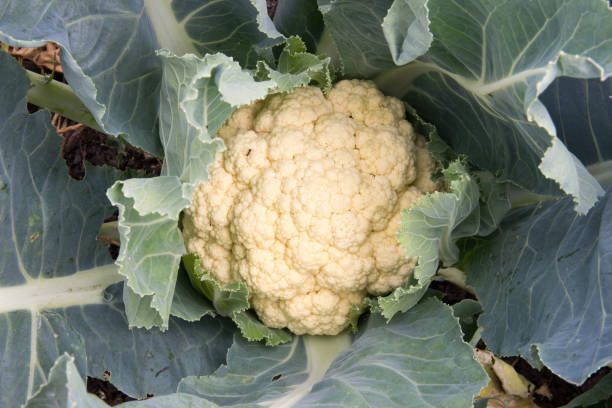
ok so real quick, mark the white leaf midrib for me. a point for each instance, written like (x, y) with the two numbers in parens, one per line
(321, 351)
(85, 287)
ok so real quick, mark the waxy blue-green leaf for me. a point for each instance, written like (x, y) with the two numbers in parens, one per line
(150, 362)
(119, 93)
(353, 29)
(238, 28)
(416, 360)
(480, 80)
(301, 18)
(406, 29)
(371, 38)
(64, 388)
(108, 49)
(45, 220)
(544, 281)
(55, 273)
(581, 110)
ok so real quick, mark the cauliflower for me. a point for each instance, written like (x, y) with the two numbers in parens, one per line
(303, 205)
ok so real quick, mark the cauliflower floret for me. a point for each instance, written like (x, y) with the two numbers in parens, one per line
(304, 204)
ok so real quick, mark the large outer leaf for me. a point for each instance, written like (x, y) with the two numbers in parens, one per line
(100, 43)
(490, 60)
(54, 272)
(64, 388)
(357, 31)
(417, 360)
(244, 31)
(300, 17)
(544, 280)
(143, 361)
(44, 217)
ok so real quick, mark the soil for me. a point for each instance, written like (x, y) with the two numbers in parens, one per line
(107, 392)
(562, 392)
(272, 7)
(84, 144)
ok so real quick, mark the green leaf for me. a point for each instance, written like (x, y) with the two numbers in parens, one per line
(479, 84)
(417, 360)
(45, 220)
(188, 303)
(406, 29)
(466, 311)
(543, 280)
(227, 300)
(582, 112)
(357, 33)
(151, 361)
(177, 400)
(494, 202)
(183, 27)
(296, 68)
(254, 330)
(301, 18)
(376, 36)
(198, 95)
(120, 94)
(165, 196)
(256, 374)
(233, 301)
(149, 257)
(435, 145)
(65, 387)
(430, 228)
(600, 396)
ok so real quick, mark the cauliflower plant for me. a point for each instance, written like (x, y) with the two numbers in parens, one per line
(304, 204)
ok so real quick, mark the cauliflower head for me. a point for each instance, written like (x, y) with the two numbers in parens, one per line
(303, 205)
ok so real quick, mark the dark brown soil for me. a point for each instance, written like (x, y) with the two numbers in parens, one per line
(82, 143)
(106, 391)
(272, 7)
(562, 392)
(451, 293)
